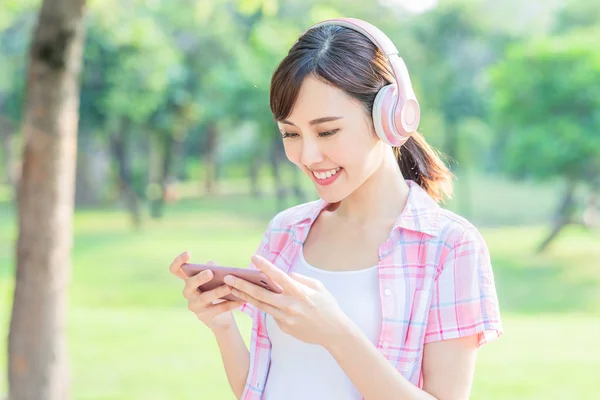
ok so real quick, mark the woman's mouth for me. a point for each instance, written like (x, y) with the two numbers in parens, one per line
(325, 178)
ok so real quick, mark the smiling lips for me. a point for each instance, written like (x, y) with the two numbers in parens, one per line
(325, 178)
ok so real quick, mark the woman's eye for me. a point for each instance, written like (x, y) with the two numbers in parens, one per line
(328, 133)
(285, 135)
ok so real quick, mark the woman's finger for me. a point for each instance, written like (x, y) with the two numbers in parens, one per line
(258, 292)
(269, 309)
(175, 266)
(278, 276)
(194, 282)
(203, 309)
(310, 282)
(224, 307)
(215, 294)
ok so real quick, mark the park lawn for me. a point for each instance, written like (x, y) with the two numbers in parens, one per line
(132, 337)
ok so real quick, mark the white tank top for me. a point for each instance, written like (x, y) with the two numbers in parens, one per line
(301, 371)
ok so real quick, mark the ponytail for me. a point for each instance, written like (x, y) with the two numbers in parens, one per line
(422, 164)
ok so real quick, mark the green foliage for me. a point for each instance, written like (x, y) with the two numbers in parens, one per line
(577, 14)
(547, 106)
(12, 10)
(169, 69)
(16, 22)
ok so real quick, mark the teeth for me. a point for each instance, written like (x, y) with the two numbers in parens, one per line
(326, 174)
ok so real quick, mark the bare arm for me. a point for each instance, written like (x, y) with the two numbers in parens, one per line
(308, 312)
(372, 375)
(217, 316)
(235, 356)
(447, 366)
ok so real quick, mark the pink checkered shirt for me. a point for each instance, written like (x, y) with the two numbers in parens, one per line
(435, 279)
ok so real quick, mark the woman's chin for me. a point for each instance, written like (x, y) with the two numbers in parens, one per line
(331, 195)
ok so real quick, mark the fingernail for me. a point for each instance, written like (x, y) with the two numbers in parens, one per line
(229, 280)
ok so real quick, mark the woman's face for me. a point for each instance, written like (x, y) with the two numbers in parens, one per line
(330, 138)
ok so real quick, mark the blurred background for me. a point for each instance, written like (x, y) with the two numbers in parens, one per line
(177, 150)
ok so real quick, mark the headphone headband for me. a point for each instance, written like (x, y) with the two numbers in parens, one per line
(372, 32)
(397, 116)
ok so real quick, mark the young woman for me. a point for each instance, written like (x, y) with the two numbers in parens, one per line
(386, 295)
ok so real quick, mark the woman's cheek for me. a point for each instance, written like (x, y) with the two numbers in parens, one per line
(291, 153)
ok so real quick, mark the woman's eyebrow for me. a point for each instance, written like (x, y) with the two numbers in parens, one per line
(314, 121)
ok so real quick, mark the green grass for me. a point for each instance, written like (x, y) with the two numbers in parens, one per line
(132, 337)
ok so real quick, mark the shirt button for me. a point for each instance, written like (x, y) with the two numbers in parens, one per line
(387, 292)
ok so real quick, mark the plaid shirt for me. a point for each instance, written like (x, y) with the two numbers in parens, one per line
(435, 279)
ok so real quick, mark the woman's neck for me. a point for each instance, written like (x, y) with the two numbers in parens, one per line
(381, 198)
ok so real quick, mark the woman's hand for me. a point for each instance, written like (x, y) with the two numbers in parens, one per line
(305, 309)
(214, 316)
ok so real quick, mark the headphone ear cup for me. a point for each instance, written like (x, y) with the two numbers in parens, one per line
(383, 116)
(407, 112)
(407, 117)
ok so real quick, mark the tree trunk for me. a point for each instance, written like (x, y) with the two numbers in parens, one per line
(120, 148)
(463, 189)
(276, 150)
(297, 185)
(563, 214)
(37, 351)
(211, 159)
(7, 144)
(167, 149)
(11, 162)
(591, 211)
(92, 172)
(451, 144)
(253, 171)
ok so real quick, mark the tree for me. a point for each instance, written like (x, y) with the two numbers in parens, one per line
(547, 109)
(128, 69)
(38, 367)
(16, 22)
(453, 53)
(577, 14)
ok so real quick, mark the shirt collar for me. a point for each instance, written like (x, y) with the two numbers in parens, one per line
(421, 213)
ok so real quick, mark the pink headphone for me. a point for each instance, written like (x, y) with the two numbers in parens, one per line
(396, 112)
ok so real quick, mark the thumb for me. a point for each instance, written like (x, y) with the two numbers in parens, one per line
(310, 282)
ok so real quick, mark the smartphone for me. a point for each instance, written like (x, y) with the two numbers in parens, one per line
(220, 272)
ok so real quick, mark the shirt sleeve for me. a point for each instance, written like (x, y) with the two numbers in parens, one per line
(263, 251)
(464, 300)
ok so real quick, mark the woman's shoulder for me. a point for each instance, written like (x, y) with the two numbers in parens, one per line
(280, 230)
(304, 212)
(454, 228)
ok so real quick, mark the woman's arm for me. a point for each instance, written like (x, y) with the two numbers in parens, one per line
(308, 312)
(447, 369)
(234, 353)
(235, 356)
(218, 318)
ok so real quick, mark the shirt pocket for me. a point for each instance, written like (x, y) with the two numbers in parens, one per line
(416, 325)
(419, 310)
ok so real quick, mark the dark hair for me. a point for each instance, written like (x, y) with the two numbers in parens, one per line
(346, 59)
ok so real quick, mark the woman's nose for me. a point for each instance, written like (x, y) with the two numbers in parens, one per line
(311, 152)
